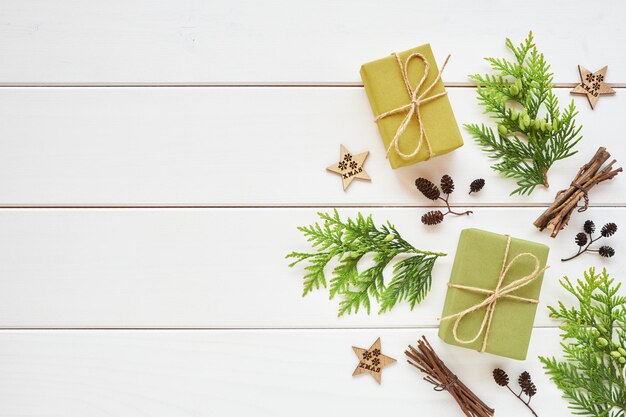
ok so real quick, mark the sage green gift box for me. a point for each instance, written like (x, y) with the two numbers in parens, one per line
(386, 90)
(480, 259)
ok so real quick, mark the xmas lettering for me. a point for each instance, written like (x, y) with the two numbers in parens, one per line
(369, 367)
(590, 90)
(352, 173)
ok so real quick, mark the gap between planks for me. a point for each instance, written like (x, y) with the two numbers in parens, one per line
(292, 206)
(233, 329)
(242, 85)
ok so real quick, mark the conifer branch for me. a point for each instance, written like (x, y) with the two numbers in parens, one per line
(349, 242)
(594, 339)
(532, 133)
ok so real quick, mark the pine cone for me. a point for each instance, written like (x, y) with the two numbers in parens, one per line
(527, 385)
(606, 251)
(432, 218)
(589, 227)
(447, 184)
(427, 188)
(477, 185)
(500, 377)
(581, 239)
(608, 229)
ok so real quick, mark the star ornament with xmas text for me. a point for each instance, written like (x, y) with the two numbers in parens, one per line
(592, 84)
(350, 167)
(371, 361)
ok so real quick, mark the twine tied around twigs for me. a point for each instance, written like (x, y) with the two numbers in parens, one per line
(499, 292)
(443, 387)
(413, 107)
(585, 192)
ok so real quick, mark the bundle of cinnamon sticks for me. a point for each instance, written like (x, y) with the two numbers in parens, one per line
(424, 358)
(556, 217)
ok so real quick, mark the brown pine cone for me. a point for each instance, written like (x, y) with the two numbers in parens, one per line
(427, 188)
(500, 377)
(477, 185)
(606, 251)
(447, 184)
(608, 229)
(526, 384)
(589, 226)
(581, 239)
(432, 218)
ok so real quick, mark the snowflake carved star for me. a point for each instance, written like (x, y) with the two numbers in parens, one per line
(371, 361)
(350, 166)
(592, 84)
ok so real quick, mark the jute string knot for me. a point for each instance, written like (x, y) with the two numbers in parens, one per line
(413, 107)
(585, 192)
(493, 296)
(446, 387)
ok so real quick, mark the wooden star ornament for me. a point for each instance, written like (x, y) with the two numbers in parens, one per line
(592, 84)
(350, 167)
(371, 361)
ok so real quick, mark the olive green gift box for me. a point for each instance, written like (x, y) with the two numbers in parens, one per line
(386, 90)
(478, 263)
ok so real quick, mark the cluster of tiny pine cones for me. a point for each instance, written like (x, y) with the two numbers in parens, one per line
(525, 382)
(432, 192)
(589, 228)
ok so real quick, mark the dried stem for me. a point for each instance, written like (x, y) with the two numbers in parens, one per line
(450, 211)
(437, 373)
(556, 217)
(519, 397)
(581, 250)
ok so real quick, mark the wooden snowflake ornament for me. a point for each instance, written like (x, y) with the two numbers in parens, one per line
(371, 361)
(592, 84)
(350, 167)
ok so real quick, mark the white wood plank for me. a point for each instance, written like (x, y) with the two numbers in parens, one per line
(225, 268)
(244, 146)
(280, 41)
(234, 373)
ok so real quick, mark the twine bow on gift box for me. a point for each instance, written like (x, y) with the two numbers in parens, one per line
(413, 107)
(499, 292)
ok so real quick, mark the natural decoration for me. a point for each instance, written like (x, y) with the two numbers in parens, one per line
(371, 361)
(349, 242)
(525, 382)
(350, 166)
(424, 358)
(477, 185)
(585, 239)
(431, 191)
(556, 217)
(594, 347)
(592, 84)
(532, 133)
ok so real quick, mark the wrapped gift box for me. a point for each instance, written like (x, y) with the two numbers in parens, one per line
(387, 90)
(477, 268)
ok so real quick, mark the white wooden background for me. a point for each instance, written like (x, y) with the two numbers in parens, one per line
(156, 157)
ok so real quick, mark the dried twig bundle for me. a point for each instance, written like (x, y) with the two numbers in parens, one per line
(437, 373)
(556, 217)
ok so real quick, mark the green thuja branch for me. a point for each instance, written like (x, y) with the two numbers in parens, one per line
(349, 242)
(594, 335)
(532, 132)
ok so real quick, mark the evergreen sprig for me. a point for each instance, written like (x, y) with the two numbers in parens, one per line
(349, 242)
(532, 131)
(594, 333)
